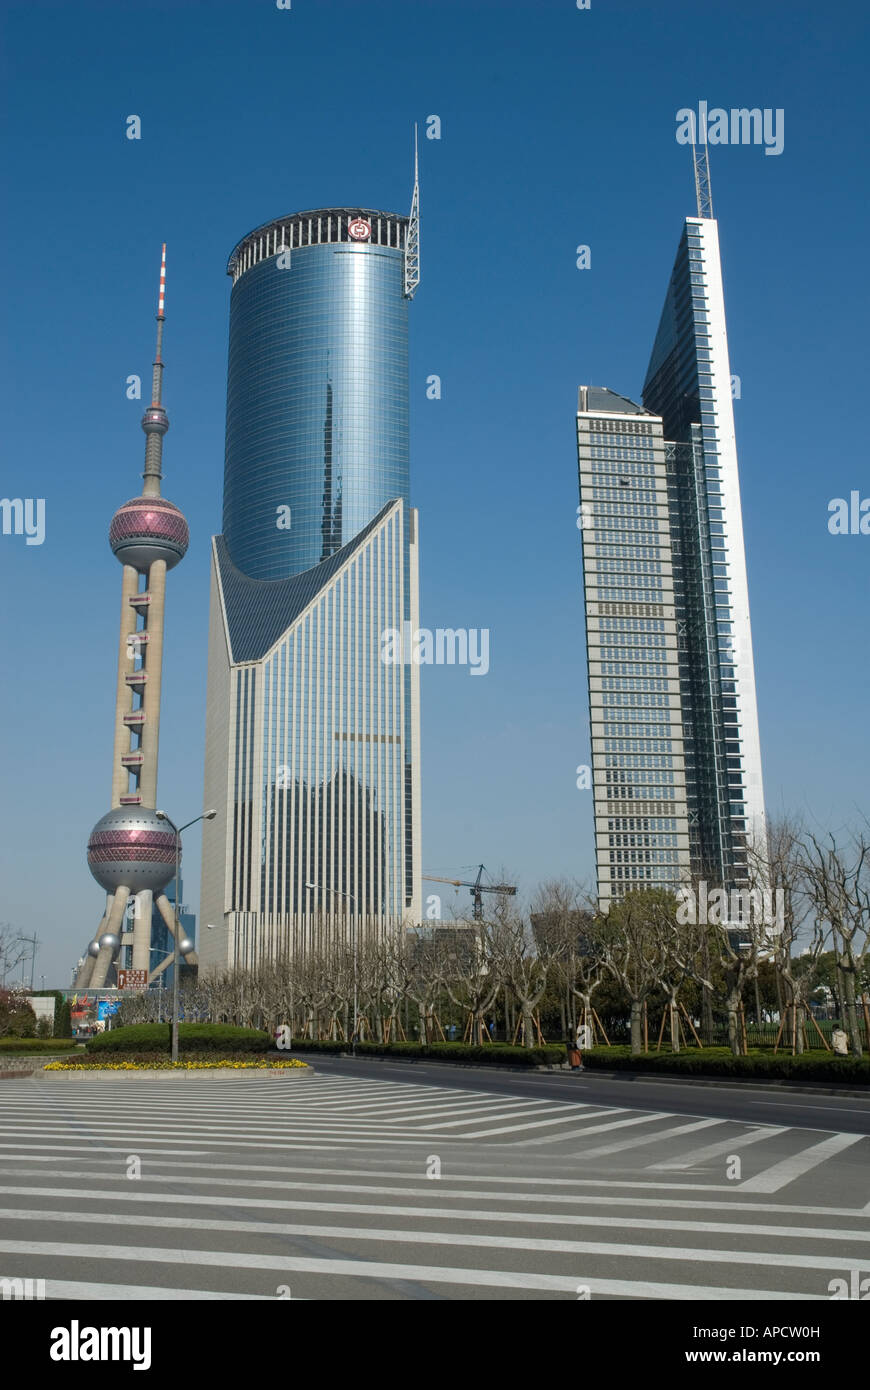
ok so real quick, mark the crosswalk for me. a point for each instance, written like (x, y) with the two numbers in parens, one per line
(340, 1187)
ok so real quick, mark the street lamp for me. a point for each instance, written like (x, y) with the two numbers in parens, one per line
(161, 815)
(350, 897)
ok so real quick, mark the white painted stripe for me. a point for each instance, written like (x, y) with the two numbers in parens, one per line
(598, 1129)
(136, 1293)
(627, 1287)
(56, 1149)
(532, 1218)
(350, 1139)
(540, 1124)
(644, 1139)
(795, 1167)
(548, 1198)
(144, 1254)
(724, 1146)
(564, 1110)
(303, 1097)
(492, 1180)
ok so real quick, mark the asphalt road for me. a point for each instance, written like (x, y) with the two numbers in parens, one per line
(758, 1104)
(361, 1180)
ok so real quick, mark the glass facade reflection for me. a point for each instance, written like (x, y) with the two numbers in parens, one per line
(689, 385)
(317, 398)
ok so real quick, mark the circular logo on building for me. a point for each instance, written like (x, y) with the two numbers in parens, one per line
(359, 229)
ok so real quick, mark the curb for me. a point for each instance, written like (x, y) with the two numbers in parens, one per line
(26, 1066)
(437, 1062)
(732, 1083)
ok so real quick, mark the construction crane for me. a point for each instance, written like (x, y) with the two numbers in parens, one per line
(477, 888)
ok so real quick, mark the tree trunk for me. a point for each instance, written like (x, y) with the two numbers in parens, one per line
(675, 1024)
(851, 1013)
(734, 1040)
(706, 998)
(636, 1040)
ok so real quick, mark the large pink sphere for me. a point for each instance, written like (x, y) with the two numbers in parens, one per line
(133, 847)
(146, 529)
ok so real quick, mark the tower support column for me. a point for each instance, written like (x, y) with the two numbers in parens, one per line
(154, 668)
(114, 924)
(124, 693)
(142, 930)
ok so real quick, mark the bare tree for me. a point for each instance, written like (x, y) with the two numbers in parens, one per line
(838, 886)
(518, 963)
(13, 950)
(633, 949)
(561, 916)
(468, 970)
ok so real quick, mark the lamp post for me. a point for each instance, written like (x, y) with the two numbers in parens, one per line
(161, 815)
(350, 897)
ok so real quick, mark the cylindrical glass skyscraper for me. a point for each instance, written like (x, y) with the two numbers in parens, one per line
(312, 733)
(317, 389)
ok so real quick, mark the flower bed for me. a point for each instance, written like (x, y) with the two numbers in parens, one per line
(161, 1064)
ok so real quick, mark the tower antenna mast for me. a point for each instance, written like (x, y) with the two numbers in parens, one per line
(412, 238)
(703, 191)
(156, 422)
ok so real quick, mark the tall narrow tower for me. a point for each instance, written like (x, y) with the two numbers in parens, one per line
(130, 851)
(676, 755)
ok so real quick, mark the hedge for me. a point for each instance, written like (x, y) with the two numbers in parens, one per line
(36, 1045)
(493, 1054)
(719, 1061)
(151, 1057)
(198, 1037)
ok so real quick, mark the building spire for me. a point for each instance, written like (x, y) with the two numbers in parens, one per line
(701, 165)
(412, 238)
(155, 421)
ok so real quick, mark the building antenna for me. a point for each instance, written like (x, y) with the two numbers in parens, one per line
(703, 191)
(155, 421)
(412, 237)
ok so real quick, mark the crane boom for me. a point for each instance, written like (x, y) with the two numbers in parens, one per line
(476, 889)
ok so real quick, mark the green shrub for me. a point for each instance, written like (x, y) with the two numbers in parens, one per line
(62, 1018)
(35, 1045)
(192, 1037)
(719, 1061)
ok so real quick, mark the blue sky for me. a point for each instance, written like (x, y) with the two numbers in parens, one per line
(558, 128)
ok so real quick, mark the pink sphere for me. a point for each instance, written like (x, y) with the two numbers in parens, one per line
(146, 529)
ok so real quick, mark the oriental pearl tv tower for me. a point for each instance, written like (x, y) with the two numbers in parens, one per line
(131, 852)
